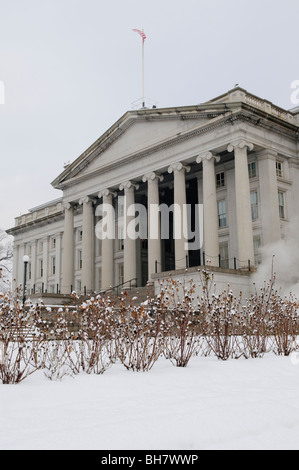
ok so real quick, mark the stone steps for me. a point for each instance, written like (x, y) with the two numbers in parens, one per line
(136, 294)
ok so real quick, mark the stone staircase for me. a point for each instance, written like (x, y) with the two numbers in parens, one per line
(136, 295)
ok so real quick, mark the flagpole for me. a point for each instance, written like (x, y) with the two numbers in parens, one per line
(141, 33)
(143, 98)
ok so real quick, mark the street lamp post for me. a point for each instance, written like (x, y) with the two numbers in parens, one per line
(26, 261)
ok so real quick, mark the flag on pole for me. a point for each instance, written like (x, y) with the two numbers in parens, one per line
(141, 34)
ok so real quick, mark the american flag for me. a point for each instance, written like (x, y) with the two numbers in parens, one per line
(141, 34)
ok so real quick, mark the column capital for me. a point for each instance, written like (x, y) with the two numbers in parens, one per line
(207, 156)
(178, 167)
(86, 200)
(106, 192)
(67, 206)
(128, 185)
(152, 177)
(239, 144)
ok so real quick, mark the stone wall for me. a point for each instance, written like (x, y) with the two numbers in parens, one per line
(237, 281)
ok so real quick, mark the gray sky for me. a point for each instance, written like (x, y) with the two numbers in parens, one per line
(73, 67)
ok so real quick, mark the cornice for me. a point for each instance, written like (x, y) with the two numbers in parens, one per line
(38, 222)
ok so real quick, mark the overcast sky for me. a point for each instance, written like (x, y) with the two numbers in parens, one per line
(73, 67)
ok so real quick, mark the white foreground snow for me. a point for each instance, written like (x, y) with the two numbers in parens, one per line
(238, 404)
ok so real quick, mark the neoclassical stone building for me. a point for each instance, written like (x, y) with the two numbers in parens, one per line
(235, 156)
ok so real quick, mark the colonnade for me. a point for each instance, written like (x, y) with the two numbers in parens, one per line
(211, 224)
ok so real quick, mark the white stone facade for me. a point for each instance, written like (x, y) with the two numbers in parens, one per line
(236, 155)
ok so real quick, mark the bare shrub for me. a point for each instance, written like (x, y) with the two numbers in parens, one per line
(139, 333)
(221, 324)
(256, 322)
(177, 301)
(90, 336)
(21, 341)
(284, 323)
(55, 361)
(83, 337)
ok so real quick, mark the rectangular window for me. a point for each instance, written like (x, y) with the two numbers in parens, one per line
(41, 268)
(121, 242)
(222, 213)
(80, 235)
(29, 271)
(252, 169)
(257, 250)
(99, 247)
(281, 204)
(80, 259)
(121, 279)
(220, 180)
(279, 169)
(53, 265)
(100, 278)
(121, 206)
(224, 259)
(53, 243)
(254, 205)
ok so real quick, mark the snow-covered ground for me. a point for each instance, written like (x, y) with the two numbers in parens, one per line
(238, 404)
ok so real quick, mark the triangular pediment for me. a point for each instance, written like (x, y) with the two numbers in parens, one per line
(135, 132)
(147, 130)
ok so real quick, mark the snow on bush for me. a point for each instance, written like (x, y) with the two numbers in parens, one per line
(91, 336)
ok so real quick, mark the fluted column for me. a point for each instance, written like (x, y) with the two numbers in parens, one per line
(154, 225)
(243, 206)
(108, 239)
(180, 214)
(87, 245)
(68, 250)
(210, 210)
(130, 263)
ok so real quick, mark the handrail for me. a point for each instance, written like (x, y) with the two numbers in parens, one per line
(118, 286)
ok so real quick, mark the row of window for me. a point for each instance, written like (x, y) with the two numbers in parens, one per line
(52, 245)
(252, 172)
(40, 246)
(41, 268)
(222, 212)
(220, 176)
